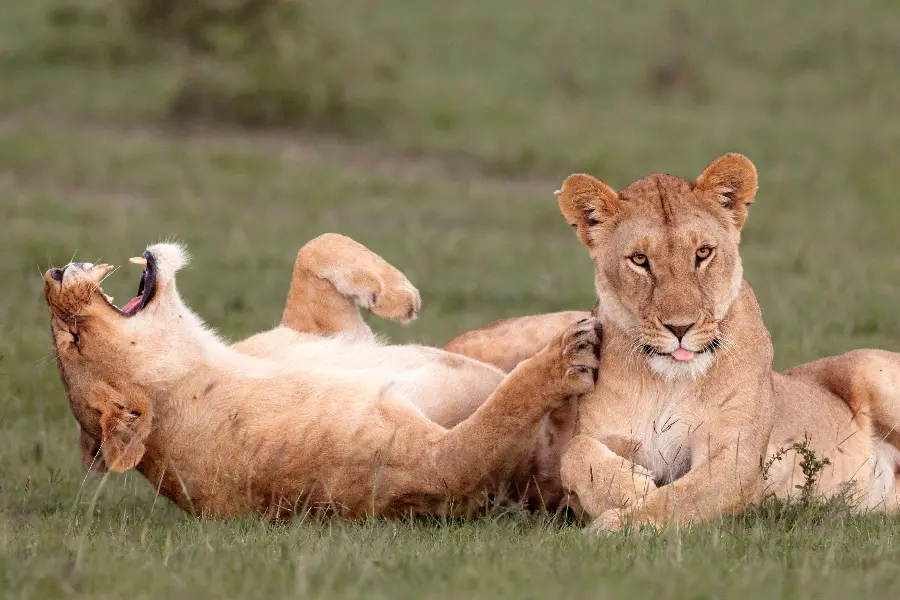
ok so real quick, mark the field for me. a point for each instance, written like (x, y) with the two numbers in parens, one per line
(495, 103)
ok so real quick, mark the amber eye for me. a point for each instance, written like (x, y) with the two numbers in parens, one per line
(639, 259)
(703, 253)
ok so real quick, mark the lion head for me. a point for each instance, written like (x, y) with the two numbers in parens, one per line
(102, 348)
(665, 250)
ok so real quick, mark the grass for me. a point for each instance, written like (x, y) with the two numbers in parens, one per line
(497, 102)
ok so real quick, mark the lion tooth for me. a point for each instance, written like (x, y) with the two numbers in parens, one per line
(109, 298)
(98, 272)
(139, 260)
(557, 192)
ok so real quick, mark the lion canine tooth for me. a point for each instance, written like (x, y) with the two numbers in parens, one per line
(139, 260)
(557, 192)
(98, 272)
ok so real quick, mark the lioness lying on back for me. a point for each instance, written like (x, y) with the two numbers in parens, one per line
(313, 415)
(687, 413)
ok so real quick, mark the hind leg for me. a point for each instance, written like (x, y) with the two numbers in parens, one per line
(868, 381)
(334, 277)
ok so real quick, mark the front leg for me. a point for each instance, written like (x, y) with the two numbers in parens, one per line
(724, 483)
(490, 445)
(507, 342)
(600, 478)
(334, 277)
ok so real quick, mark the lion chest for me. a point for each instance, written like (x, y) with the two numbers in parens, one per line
(655, 425)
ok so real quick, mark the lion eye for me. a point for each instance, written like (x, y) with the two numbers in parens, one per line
(703, 253)
(639, 259)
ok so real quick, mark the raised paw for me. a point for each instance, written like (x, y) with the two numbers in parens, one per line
(579, 356)
(399, 300)
(362, 276)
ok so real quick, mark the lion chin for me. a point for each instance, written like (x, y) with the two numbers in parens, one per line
(671, 368)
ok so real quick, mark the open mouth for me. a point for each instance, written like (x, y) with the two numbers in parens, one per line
(146, 286)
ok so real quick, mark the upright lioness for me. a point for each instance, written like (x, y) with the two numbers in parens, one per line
(314, 415)
(687, 411)
(687, 416)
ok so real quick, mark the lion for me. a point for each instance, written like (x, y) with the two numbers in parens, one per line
(688, 421)
(315, 416)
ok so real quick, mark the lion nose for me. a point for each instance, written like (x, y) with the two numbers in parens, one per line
(679, 330)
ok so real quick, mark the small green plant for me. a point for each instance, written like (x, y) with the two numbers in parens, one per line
(811, 465)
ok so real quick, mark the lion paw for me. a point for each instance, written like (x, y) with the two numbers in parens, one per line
(373, 284)
(617, 519)
(609, 521)
(398, 299)
(580, 348)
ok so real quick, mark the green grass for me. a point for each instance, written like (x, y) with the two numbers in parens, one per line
(497, 102)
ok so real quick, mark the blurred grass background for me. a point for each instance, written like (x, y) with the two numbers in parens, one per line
(435, 134)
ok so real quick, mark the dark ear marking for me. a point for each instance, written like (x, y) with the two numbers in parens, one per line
(586, 203)
(733, 179)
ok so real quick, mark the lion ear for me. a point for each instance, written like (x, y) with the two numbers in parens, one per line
(586, 202)
(125, 423)
(732, 177)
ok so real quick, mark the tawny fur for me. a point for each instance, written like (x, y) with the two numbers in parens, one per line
(315, 415)
(661, 440)
(507, 342)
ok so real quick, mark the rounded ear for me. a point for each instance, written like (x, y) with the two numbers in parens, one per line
(732, 177)
(123, 440)
(586, 202)
(125, 423)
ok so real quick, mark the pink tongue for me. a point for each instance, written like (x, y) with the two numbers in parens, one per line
(135, 302)
(682, 354)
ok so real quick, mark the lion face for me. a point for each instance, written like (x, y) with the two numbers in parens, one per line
(100, 347)
(85, 327)
(667, 264)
